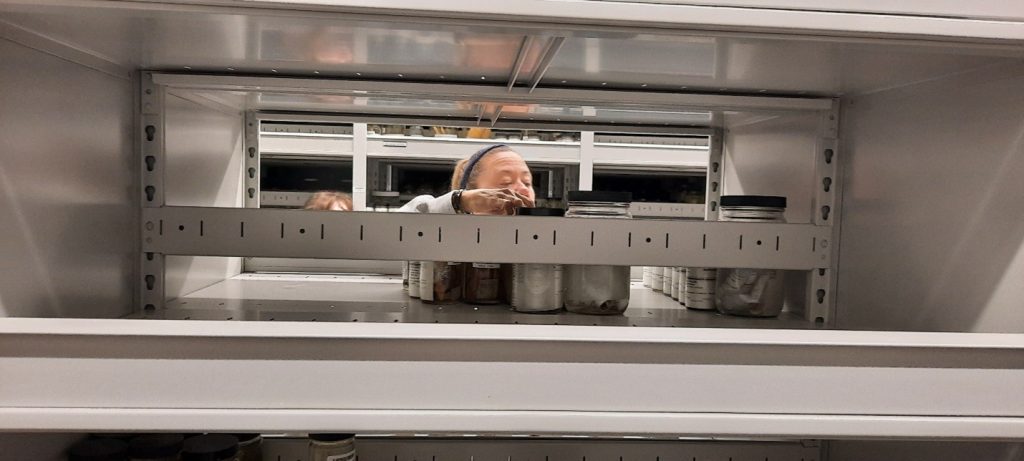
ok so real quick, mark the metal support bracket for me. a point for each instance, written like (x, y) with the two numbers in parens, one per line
(252, 160)
(151, 149)
(821, 290)
(714, 177)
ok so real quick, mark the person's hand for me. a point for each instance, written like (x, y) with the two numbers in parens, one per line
(493, 201)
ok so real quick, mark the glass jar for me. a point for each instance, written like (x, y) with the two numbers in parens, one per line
(250, 447)
(155, 447)
(675, 283)
(537, 287)
(102, 449)
(440, 282)
(210, 447)
(751, 292)
(332, 447)
(657, 282)
(481, 283)
(405, 276)
(699, 291)
(414, 279)
(591, 289)
(666, 281)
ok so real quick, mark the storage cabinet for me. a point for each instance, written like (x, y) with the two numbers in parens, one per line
(131, 213)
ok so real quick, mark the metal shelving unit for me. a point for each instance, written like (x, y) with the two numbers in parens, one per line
(858, 116)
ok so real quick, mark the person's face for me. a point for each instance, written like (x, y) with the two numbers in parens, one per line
(505, 170)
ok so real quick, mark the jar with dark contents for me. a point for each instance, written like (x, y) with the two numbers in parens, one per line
(155, 447)
(597, 289)
(102, 449)
(332, 447)
(440, 282)
(481, 283)
(210, 447)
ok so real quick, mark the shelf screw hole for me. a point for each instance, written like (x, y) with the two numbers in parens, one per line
(648, 240)
(150, 162)
(758, 242)
(535, 237)
(150, 282)
(149, 307)
(827, 182)
(714, 186)
(419, 234)
(714, 206)
(252, 193)
(821, 296)
(252, 151)
(302, 231)
(828, 155)
(150, 193)
(150, 132)
(714, 167)
(825, 210)
(181, 227)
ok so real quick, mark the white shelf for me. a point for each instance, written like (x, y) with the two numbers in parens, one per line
(326, 298)
(395, 377)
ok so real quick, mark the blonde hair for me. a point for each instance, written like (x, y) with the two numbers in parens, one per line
(460, 169)
(325, 200)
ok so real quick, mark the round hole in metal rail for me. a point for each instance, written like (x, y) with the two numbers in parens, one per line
(419, 234)
(648, 240)
(181, 227)
(535, 236)
(302, 231)
(758, 242)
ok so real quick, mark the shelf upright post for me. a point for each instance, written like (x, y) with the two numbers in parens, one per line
(714, 177)
(359, 147)
(252, 160)
(821, 293)
(151, 148)
(586, 181)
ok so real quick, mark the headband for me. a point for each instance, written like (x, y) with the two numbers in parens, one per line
(473, 160)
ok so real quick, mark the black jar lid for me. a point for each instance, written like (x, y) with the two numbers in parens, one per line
(209, 447)
(765, 201)
(99, 450)
(330, 437)
(541, 212)
(600, 196)
(152, 446)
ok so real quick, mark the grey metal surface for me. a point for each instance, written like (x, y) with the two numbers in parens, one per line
(204, 167)
(415, 236)
(326, 298)
(68, 206)
(612, 49)
(932, 232)
(459, 447)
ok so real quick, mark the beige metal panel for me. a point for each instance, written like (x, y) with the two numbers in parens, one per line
(432, 237)
(617, 52)
(68, 209)
(932, 235)
(937, 450)
(204, 168)
(774, 157)
(988, 9)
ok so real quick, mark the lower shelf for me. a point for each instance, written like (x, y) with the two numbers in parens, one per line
(330, 298)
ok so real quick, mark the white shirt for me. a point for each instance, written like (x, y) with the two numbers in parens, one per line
(429, 204)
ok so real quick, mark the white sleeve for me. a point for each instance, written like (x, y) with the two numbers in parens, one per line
(429, 204)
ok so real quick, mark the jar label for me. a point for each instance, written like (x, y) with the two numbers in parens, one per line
(486, 265)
